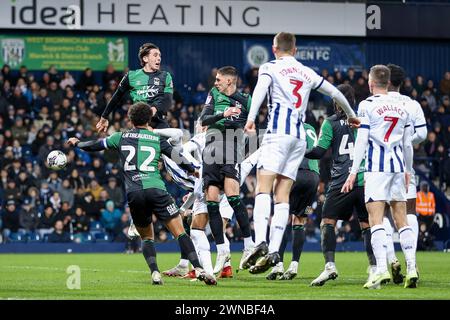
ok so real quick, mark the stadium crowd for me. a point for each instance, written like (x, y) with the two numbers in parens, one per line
(85, 201)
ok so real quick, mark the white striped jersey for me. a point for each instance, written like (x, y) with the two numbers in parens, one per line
(288, 94)
(180, 177)
(414, 109)
(386, 118)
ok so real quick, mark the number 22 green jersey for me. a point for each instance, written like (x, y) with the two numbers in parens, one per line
(139, 151)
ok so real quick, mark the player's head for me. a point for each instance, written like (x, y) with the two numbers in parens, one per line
(149, 54)
(349, 94)
(140, 114)
(379, 77)
(226, 78)
(284, 43)
(398, 75)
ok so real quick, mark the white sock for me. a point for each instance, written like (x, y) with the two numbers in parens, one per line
(223, 248)
(293, 265)
(248, 243)
(226, 242)
(407, 242)
(379, 247)
(412, 222)
(227, 264)
(279, 221)
(390, 250)
(184, 263)
(261, 215)
(203, 249)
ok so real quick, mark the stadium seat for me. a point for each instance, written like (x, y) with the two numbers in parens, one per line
(101, 237)
(34, 237)
(16, 237)
(96, 226)
(87, 238)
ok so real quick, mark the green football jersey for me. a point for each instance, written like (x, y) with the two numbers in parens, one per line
(139, 152)
(311, 141)
(336, 133)
(218, 102)
(149, 87)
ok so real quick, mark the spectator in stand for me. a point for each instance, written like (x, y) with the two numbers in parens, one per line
(444, 85)
(115, 193)
(431, 99)
(54, 181)
(19, 131)
(111, 219)
(28, 216)
(80, 221)
(47, 221)
(87, 80)
(67, 193)
(67, 80)
(407, 87)
(426, 205)
(7, 75)
(419, 85)
(10, 219)
(110, 74)
(90, 206)
(55, 94)
(12, 192)
(59, 235)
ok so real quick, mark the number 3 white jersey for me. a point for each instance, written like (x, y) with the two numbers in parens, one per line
(386, 119)
(288, 93)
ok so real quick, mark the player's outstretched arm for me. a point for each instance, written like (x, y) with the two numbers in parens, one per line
(315, 153)
(178, 157)
(358, 155)
(174, 134)
(330, 90)
(264, 81)
(122, 89)
(89, 146)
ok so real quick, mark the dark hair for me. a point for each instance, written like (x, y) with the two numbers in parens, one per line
(144, 50)
(348, 92)
(398, 75)
(380, 75)
(285, 41)
(140, 114)
(228, 71)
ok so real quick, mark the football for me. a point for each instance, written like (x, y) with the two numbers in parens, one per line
(56, 160)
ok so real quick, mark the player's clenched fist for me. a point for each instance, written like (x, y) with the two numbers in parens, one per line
(250, 127)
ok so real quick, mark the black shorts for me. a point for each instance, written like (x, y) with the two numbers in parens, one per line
(220, 161)
(303, 192)
(340, 206)
(214, 174)
(148, 201)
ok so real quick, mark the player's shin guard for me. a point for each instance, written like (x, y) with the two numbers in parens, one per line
(215, 221)
(278, 225)
(368, 246)
(328, 242)
(390, 250)
(298, 239)
(203, 249)
(149, 252)
(412, 222)
(379, 247)
(407, 241)
(187, 246)
(241, 215)
(261, 214)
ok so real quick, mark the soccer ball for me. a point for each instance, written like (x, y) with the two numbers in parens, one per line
(56, 160)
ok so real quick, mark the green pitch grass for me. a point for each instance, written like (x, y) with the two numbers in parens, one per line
(121, 276)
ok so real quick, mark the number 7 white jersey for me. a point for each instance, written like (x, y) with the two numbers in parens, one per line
(386, 118)
(288, 94)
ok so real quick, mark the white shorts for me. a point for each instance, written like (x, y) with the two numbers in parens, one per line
(384, 186)
(200, 206)
(412, 188)
(281, 154)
